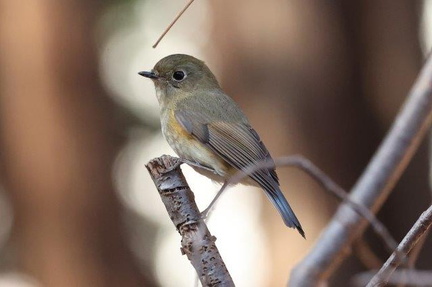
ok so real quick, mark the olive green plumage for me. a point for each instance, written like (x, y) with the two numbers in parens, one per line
(205, 126)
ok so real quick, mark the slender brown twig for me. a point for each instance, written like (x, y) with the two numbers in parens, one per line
(172, 23)
(414, 278)
(412, 259)
(372, 188)
(408, 243)
(319, 176)
(366, 256)
(197, 242)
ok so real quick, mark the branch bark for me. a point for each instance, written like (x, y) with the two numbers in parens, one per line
(373, 187)
(197, 242)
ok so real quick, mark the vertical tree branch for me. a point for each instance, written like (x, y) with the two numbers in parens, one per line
(373, 187)
(197, 242)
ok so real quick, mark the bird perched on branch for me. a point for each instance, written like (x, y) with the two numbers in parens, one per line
(208, 130)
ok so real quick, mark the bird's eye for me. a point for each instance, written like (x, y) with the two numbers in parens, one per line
(179, 76)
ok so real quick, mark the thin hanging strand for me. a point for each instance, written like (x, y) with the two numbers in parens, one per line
(172, 23)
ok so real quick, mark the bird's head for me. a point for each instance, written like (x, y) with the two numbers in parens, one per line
(177, 76)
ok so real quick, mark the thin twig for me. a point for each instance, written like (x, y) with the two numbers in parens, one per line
(409, 241)
(415, 253)
(197, 242)
(412, 258)
(365, 254)
(172, 23)
(414, 278)
(373, 187)
(325, 181)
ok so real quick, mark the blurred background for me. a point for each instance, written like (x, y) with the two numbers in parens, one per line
(324, 79)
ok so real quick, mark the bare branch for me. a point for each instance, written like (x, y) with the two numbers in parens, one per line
(409, 241)
(172, 23)
(197, 242)
(326, 182)
(373, 187)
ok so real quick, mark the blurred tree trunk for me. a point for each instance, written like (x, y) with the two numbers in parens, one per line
(323, 79)
(57, 147)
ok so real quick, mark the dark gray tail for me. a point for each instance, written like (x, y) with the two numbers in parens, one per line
(278, 199)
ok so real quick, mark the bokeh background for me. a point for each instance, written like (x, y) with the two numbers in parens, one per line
(324, 79)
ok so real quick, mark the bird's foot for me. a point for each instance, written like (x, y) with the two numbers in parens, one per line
(207, 212)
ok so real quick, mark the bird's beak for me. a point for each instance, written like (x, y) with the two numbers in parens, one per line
(150, 75)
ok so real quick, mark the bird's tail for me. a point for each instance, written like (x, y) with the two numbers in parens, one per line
(278, 199)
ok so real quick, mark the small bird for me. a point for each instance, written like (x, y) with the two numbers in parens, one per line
(207, 129)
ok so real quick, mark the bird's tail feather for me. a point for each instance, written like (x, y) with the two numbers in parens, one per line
(278, 199)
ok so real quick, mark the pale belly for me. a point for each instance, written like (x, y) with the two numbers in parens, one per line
(188, 148)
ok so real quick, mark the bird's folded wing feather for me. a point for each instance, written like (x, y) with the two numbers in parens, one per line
(237, 143)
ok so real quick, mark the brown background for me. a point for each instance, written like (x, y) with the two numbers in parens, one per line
(319, 78)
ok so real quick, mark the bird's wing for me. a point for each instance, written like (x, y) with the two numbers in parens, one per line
(240, 146)
(237, 143)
